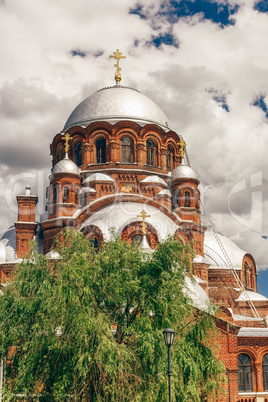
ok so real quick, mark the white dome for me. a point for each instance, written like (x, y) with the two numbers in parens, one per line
(183, 171)
(154, 179)
(97, 177)
(114, 104)
(214, 254)
(66, 166)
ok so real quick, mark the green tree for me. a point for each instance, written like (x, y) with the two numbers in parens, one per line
(89, 327)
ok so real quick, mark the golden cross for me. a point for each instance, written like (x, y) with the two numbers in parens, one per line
(182, 144)
(67, 146)
(143, 215)
(117, 56)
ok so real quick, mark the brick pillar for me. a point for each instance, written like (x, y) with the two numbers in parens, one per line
(259, 378)
(113, 148)
(163, 158)
(86, 149)
(26, 225)
(141, 154)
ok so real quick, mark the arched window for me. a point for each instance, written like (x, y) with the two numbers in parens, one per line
(187, 199)
(137, 238)
(196, 201)
(151, 153)
(170, 158)
(60, 153)
(101, 150)
(66, 194)
(265, 372)
(127, 150)
(78, 153)
(76, 195)
(244, 373)
(54, 195)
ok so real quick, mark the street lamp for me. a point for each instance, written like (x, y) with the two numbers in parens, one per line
(169, 338)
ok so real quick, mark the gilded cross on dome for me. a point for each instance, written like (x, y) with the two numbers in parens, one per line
(182, 144)
(143, 215)
(117, 56)
(67, 139)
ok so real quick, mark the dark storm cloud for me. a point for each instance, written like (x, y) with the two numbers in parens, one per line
(20, 99)
(23, 157)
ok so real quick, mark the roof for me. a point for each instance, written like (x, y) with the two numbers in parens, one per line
(66, 166)
(154, 179)
(196, 293)
(8, 246)
(247, 294)
(119, 215)
(253, 332)
(214, 254)
(97, 177)
(114, 104)
(183, 171)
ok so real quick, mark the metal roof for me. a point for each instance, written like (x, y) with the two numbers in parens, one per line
(115, 104)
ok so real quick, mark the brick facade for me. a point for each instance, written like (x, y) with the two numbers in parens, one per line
(131, 164)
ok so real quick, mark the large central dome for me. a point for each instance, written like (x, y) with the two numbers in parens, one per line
(114, 104)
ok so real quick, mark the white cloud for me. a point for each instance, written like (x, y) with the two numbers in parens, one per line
(40, 84)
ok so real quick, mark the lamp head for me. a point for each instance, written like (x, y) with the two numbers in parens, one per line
(169, 336)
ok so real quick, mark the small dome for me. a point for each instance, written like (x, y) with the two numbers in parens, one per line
(66, 166)
(97, 177)
(2, 253)
(164, 193)
(183, 171)
(114, 104)
(87, 190)
(154, 179)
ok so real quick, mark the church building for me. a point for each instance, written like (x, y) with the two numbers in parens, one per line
(118, 164)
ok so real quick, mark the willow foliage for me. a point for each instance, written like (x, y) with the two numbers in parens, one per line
(89, 327)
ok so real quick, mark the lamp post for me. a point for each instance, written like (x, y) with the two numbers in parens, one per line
(169, 338)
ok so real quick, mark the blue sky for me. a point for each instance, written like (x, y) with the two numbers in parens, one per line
(204, 62)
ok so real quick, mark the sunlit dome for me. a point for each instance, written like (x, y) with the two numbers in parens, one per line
(183, 171)
(114, 104)
(66, 166)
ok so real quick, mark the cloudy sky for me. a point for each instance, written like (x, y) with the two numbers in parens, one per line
(205, 62)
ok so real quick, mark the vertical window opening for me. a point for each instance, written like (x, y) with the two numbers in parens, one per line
(101, 150)
(76, 195)
(244, 373)
(78, 153)
(170, 158)
(127, 150)
(151, 153)
(265, 372)
(60, 153)
(187, 199)
(66, 194)
(54, 195)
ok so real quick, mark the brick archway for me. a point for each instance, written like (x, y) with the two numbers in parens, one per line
(135, 228)
(92, 232)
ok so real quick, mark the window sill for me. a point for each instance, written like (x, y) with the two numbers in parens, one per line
(151, 166)
(126, 163)
(98, 164)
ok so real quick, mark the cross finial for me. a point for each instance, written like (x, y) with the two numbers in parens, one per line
(67, 146)
(117, 56)
(143, 215)
(182, 144)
